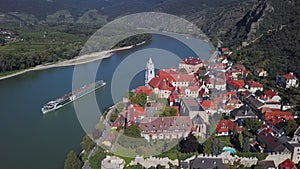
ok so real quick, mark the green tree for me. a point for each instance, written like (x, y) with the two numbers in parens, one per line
(133, 131)
(139, 98)
(169, 111)
(87, 143)
(95, 161)
(290, 127)
(114, 116)
(72, 161)
(253, 124)
(130, 95)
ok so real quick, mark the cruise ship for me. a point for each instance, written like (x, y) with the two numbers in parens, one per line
(68, 98)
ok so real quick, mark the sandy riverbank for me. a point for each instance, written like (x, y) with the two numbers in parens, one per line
(76, 61)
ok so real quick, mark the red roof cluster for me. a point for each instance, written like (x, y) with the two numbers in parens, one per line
(253, 84)
(269, 94)
(144, 89)
(192, 61)
(276, 114)
(227, 125)
(238, 84)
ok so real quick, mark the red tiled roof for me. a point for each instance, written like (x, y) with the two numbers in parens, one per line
(144, 89)
(192, 61)
(181, 77)
(135, 112)
(165, 75)
(276, 113)
(269, 94)
(288, 164)
(238, 84)
(225, 49)
(289, 76)
(161, 84)
(252, 83)
(226, 126)
(206, 104)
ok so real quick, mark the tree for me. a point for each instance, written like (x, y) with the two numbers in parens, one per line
(190, 144)
(139, 98)
(87, 143)
(133, 131)
(290, 127)
(95, 161)
(130, 95)
(114, 116)
(169, 111)
(253, 124)
(72, 161)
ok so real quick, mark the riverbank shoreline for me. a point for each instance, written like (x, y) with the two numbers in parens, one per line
(72, 62)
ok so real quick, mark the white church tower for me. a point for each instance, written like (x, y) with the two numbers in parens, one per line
(149, 74)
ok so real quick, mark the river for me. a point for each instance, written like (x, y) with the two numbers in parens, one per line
(32, 140)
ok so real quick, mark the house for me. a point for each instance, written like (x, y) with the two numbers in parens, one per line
(254, 103)
(287, 80)
(224, 51)
(234, 101)
(135, 113)
(190, 91)
(244, 112)
(294, 147)
(161, 87)
(287, 164)
(226, 128)
(207, 163)
(165, 127)
(270, 96)
(216, 83)
(270, 114)
(182, 79)
(191, 64)
(220, 84)
(260, 72)
(267, 164)
(253, 86)
(235, 85)
(269, 142)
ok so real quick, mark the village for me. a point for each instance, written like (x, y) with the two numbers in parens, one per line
(212, 100)
(8, 36)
